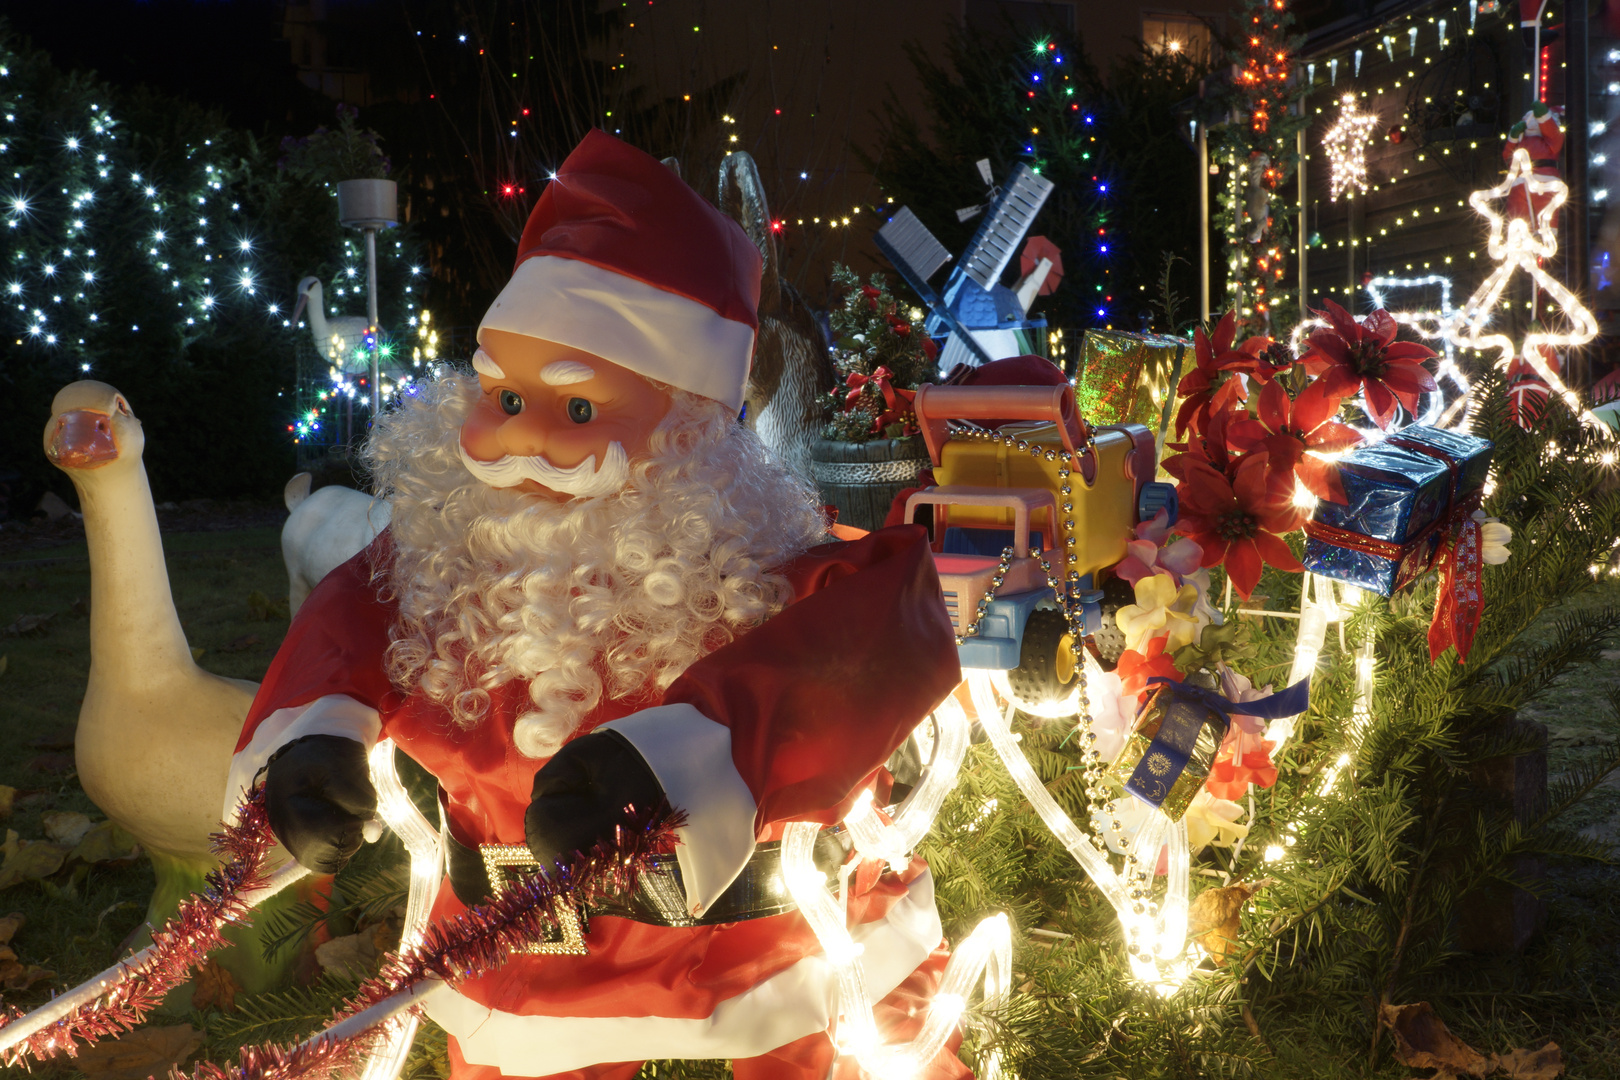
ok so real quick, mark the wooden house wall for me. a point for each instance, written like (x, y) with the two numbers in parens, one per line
(1415, 219)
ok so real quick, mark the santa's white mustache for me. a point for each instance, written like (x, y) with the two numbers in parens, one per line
(584, 481)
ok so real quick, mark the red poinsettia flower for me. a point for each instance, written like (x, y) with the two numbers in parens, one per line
(1263, 359)
(1239, 522)
(1347, 356)
(1287, 429)
(1210, 443)
(1213, 356)
(1136, 668)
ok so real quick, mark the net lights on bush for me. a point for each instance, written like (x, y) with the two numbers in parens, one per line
(1515, 244)
(1346, 147)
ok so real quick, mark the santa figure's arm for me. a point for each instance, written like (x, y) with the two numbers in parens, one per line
(327, 678)
(790, 720)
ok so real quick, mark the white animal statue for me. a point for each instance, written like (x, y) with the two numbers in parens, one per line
(324, 530)
(336, 338)
(792, 370)
(156, 732)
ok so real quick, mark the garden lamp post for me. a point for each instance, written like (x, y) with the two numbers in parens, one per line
(370, 205)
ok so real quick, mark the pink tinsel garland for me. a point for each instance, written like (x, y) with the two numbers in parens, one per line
(469, 946)
(181, 945)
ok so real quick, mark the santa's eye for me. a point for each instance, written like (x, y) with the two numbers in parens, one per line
(580, 411)
(511, 404)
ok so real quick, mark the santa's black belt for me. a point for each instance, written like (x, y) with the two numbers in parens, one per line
(660, 899)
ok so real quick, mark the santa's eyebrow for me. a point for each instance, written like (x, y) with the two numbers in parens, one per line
(566, 373)
(485, 365)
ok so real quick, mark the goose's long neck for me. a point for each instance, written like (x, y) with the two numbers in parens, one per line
(317, 317)
(135, 633)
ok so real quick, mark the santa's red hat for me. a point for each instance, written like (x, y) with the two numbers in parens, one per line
(622, 259)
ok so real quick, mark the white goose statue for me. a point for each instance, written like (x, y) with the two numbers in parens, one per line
(337, 338)
(156, 732)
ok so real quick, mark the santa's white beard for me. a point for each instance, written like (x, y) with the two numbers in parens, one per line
(613, 595)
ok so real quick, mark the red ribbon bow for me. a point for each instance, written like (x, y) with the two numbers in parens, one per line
(1459, 601)
(897, 403)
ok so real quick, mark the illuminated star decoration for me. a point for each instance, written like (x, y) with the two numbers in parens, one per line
(1432, 325)
(1346, 146)
(1513, 245)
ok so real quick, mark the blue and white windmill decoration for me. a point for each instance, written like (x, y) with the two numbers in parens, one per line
(976, 319)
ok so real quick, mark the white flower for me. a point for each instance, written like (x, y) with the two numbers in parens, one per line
(1494, 538)
(1213, 821)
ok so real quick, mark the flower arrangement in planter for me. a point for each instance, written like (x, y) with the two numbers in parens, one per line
(871, 448)
(881, 355)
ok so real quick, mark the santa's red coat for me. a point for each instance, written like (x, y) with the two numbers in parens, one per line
(814, 700)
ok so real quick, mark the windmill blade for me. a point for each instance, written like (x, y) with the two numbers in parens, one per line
(911, 247)
(907, 243)
(1004, 227)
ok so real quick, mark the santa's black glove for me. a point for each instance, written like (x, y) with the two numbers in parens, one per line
(583, 793)
(318, 795)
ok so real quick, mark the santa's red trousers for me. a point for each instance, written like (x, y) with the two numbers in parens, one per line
(899, 1017)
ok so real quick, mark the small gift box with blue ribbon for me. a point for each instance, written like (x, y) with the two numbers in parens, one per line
(1179, 730)
(1401, 494)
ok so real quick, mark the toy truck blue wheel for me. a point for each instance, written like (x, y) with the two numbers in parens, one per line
(1155, 497)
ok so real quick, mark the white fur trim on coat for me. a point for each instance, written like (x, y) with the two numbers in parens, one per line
(799, 1001)
(657, 334)
(335, 714)
(691, 756)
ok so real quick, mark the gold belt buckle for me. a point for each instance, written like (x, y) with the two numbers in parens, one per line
(507, 863)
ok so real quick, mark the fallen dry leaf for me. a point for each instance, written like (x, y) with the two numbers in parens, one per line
(1423, 1041)
(28, 861)
(65, 826)
(8, 801)
(52, 763)
(241, 644)
(1214, 916)
(1543, 1064)
(15, 975)
(27, 624)
(106, 843)
(214, 988)
(142, 1053)
(60, 737)
(353, 955)
(10, 925)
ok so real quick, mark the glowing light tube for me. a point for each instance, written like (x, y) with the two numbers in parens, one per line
(395, 808)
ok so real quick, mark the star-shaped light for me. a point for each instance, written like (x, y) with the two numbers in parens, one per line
(1346, 146)
(1515, 245)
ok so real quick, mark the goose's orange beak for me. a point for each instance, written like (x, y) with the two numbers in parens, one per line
(83, 440)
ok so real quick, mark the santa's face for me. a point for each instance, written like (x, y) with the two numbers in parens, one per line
(547, 409)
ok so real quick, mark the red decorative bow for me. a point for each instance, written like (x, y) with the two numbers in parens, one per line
(897, 403)
(1458, 603)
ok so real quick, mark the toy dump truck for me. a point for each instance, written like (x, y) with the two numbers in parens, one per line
(1032, 481)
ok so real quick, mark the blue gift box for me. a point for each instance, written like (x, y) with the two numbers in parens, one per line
(1397, 493)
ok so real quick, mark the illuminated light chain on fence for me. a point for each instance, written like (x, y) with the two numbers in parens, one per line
(1345, 144)
(1514, 246)
(1432, 325)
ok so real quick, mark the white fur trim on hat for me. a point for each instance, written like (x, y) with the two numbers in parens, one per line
(660, 335)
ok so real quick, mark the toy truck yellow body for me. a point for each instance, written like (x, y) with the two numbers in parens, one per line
(1041, 483)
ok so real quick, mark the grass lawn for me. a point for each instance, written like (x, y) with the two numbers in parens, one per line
(77, 919)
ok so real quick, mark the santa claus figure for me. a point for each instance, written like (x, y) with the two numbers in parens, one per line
(1541, 136)
(599, 591)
